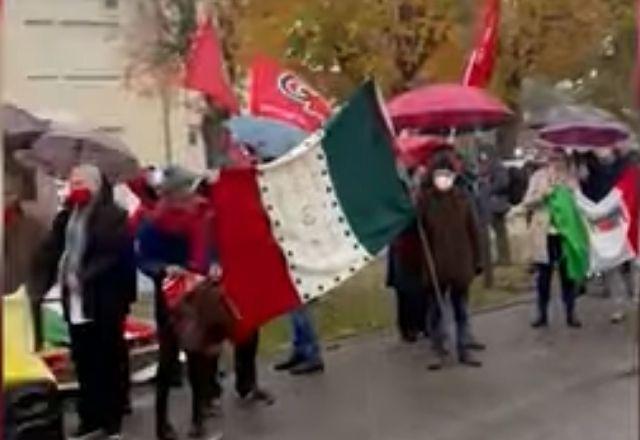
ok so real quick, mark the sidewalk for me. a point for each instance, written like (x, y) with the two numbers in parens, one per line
(556, 384)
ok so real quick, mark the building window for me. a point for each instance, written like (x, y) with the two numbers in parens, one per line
(89, 23)
(38, 22)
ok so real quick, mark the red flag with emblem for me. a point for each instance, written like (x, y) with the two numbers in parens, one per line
(205, 67)
(281, 94)
(483, 58)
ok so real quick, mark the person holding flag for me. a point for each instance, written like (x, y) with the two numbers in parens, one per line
(452, 255)
(547, 237)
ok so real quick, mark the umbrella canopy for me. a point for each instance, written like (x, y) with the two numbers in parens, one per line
(267, 137)
(416, 150)
(442, 107)
(585, 135)
(20, 127)
(64, 147)
(581, 127)
(566, 114)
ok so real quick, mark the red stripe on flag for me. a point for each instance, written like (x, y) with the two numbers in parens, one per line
(255, 276)
(629, 187)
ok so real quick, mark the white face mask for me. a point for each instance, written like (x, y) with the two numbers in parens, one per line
(443, 182)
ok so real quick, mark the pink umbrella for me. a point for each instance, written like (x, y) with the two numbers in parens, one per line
(585, 135)
(416, 150)
(443, 107)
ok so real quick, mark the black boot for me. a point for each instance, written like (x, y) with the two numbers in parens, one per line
(293, 361)
(164, 431)
(440, 356)
(573, 322)
(467, 359)
(308, 367)
(540, 322)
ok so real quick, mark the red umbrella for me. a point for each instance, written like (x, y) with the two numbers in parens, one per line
(442, 107)
(416, 150)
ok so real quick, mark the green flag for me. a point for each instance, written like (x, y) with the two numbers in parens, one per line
(566, 218)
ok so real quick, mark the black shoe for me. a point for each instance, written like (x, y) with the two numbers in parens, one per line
(573, 322)
(468, 360)
(166, 432)
(540, 323)
(197, 430)
(86, 433)
(436, 364)
(293, 361)
(309, 367)
(409, 338)
(475, 346)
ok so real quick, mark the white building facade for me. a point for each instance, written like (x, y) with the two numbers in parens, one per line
(65, 59)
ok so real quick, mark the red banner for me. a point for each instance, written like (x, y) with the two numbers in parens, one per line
(483, 58)
(636, 72)
(205, 68)
(280, 94)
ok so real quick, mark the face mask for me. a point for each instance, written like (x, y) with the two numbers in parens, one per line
(443, 183)
(79, 197)
(11, 214)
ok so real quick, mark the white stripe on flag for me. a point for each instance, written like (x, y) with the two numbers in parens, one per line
(308, 222)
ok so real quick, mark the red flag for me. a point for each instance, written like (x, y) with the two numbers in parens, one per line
(280, 94)
(480, 66)
(636, 72)
(205, 67)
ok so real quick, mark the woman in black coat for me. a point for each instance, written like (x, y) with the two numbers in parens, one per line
(90, 253)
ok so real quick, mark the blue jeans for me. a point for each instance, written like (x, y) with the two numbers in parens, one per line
(305, 340)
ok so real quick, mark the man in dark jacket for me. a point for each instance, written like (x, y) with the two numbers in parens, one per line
(89, 252)
(454, 257)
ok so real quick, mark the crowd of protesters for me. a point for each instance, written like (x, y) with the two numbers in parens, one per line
(94, 250)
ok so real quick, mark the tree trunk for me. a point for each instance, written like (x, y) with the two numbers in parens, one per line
(507, 135)
(165, 103)
(213, 137)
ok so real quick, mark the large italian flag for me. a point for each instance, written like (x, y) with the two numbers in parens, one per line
(292, 230)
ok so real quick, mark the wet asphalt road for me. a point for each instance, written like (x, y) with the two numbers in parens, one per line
(554, 384)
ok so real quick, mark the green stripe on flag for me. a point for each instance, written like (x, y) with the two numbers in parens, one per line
(358, 147)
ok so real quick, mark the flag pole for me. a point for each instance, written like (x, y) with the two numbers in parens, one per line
(431, 266)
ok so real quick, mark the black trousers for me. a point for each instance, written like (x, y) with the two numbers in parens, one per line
(96, 349)
(412, 312)
(197, 372)
(545, 276)
(244, 360)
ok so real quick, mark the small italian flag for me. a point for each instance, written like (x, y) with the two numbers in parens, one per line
(612, 222)
(292, 230)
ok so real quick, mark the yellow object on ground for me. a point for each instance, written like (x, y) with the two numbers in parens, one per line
(20, 363)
